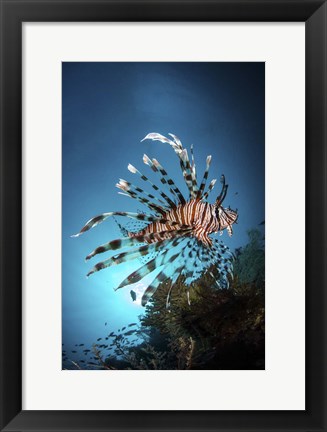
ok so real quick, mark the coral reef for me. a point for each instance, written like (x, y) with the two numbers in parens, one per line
(208, 329)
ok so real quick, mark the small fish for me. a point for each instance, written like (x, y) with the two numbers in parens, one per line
(130, 332)
(262, 223)
(123, 328)
(74, 352)
(105, 324)
(133, 295)
(99, 339)
(81, 344)
(75, 364)
(132, 324)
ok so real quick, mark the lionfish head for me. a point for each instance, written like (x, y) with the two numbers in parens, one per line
(232, 215)
(226, 216)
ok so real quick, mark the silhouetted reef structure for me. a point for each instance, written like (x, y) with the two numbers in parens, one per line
(213, 329)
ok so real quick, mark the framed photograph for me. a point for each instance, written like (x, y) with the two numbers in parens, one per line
(163, 215)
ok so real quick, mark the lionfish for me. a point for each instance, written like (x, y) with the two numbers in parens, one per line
(176, 235)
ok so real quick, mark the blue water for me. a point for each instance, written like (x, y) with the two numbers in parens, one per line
(107, 108)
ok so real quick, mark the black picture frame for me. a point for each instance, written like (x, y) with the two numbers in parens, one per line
(13, 14)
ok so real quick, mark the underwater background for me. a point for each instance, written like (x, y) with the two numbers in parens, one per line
(107, 109)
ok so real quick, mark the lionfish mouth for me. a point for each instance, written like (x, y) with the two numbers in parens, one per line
(176, 229)
(234, 216)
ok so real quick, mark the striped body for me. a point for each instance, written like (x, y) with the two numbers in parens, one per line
(177, 236)
(200, 216)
